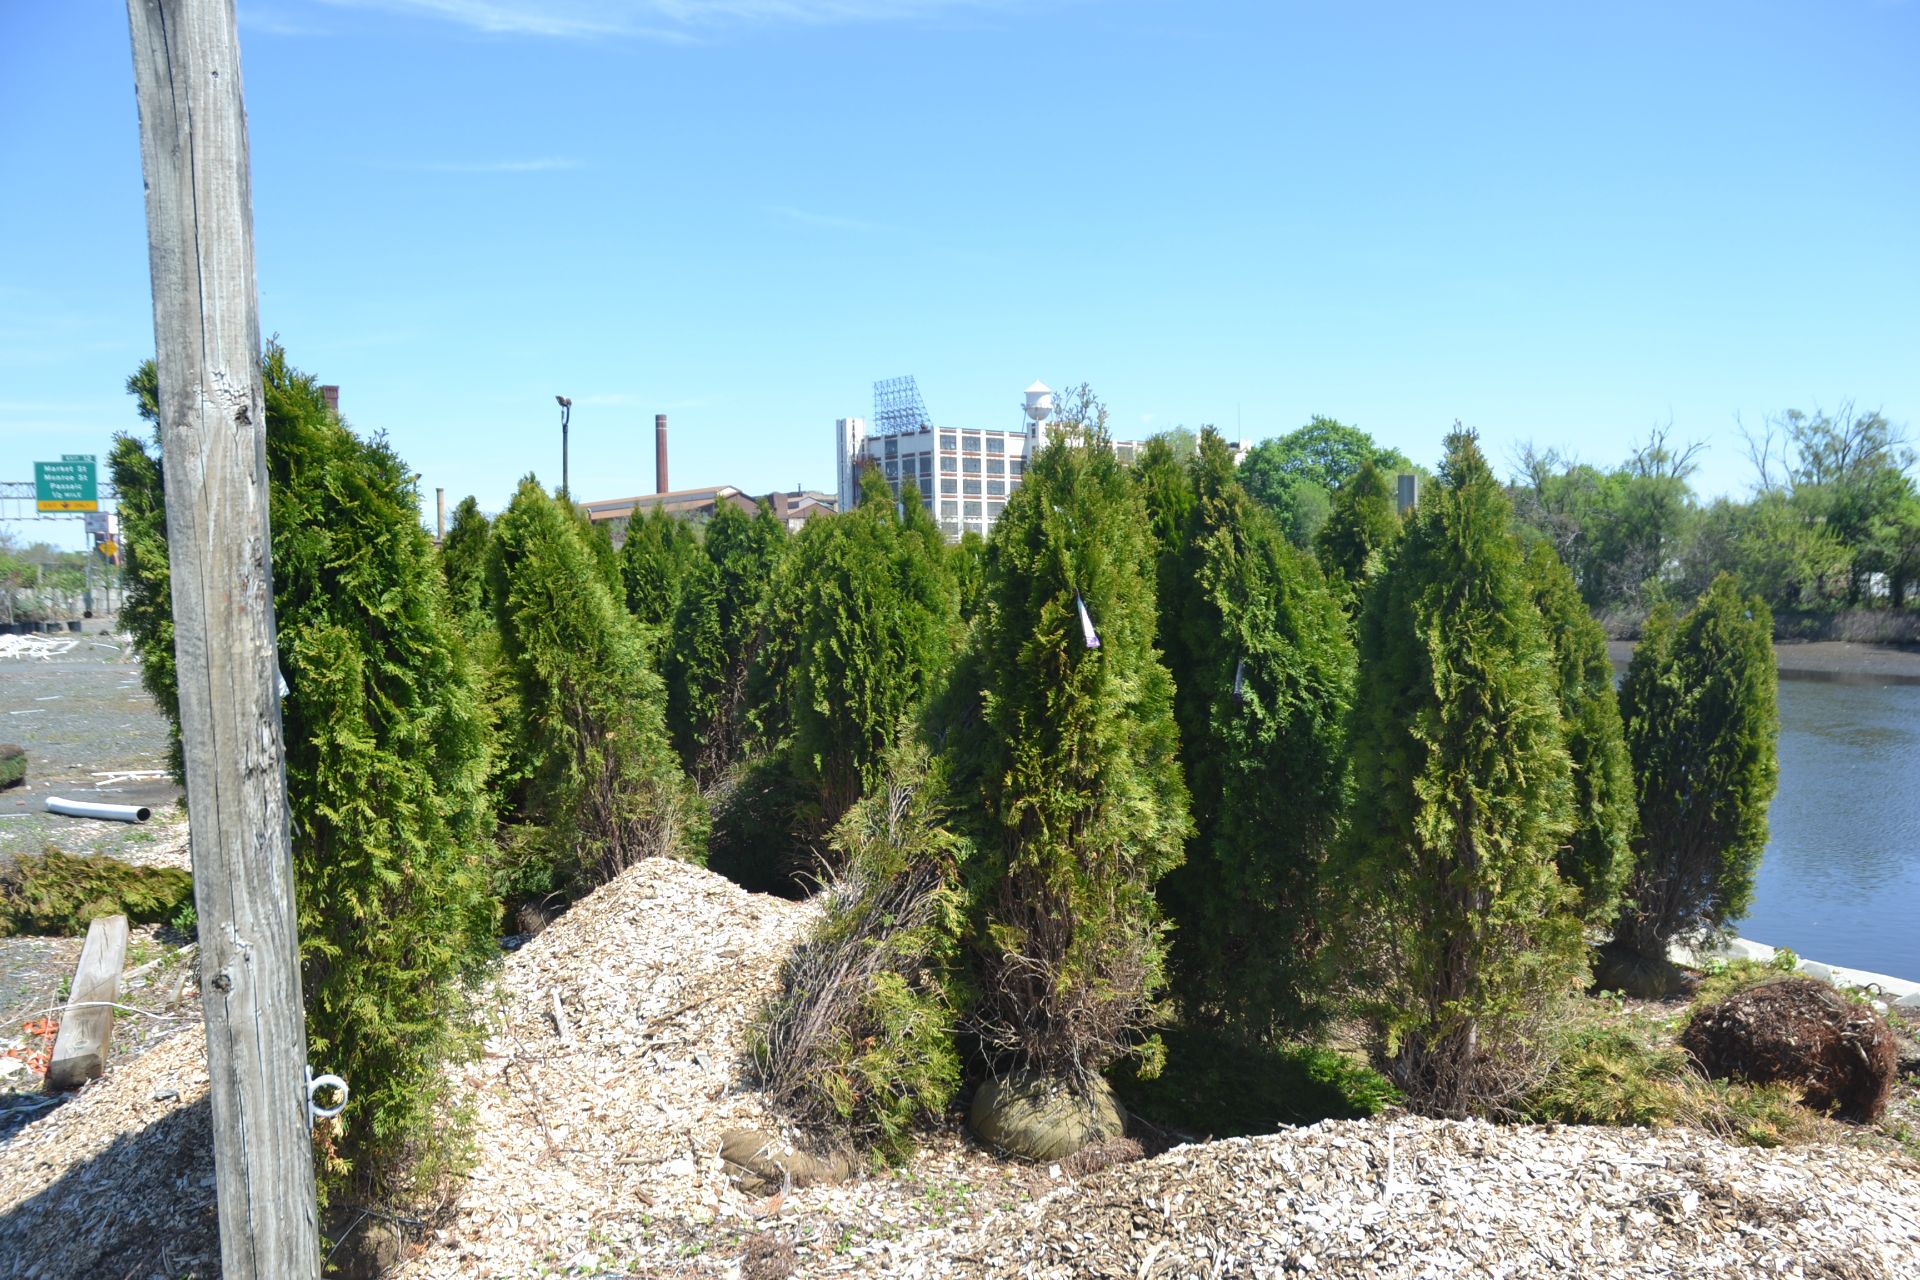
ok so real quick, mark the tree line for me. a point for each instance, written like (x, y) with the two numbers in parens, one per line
(1137, 757)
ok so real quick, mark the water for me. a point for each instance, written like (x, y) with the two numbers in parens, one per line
(1840, 882)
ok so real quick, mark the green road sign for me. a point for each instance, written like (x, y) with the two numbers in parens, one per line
(66, 485)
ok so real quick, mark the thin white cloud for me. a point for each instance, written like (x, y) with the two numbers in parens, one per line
(672, 20)
(830, 221)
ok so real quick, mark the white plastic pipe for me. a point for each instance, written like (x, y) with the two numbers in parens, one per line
(108, 812)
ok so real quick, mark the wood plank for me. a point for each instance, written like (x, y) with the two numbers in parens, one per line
(212, 427)
(80, 1050)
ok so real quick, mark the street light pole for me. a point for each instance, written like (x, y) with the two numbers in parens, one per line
(566, 412)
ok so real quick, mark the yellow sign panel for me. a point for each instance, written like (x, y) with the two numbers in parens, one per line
(68, 504)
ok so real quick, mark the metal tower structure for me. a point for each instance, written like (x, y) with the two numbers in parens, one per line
(898, 408)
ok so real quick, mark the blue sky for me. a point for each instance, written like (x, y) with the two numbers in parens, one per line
(1557, 223)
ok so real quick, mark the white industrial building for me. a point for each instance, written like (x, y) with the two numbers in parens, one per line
(965, 475)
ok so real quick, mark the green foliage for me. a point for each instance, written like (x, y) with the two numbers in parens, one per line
(1456, 934)
(1353, 544)
(463, 561)
(1264, 670)
(1848, 474)
(1597, 857)
(655, 562)
(1699, 706)
(858, 1045)
(967, 563)
(1084, 807)
(1616, 1066)
(1215, 1085)
(60, 894)
(717, 634)
(1295, 475)
(601, 789)
(865, 621)
(1620, 532)
(146, 610)
(385, 766)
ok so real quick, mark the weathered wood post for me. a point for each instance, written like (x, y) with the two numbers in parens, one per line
(193, 146)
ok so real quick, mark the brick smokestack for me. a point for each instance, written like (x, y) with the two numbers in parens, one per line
(440, 515)
(659, 453)
(332, 396)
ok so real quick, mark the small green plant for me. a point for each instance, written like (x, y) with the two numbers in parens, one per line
(1784, 960)
(186, 920)
(58, 893)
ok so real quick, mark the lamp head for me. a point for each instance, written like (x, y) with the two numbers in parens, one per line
(563, 402)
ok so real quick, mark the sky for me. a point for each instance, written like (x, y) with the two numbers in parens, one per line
(1564, 224)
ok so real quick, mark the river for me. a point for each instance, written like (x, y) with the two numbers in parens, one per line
(1840, 882)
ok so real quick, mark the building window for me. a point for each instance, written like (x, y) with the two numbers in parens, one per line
(948, 441)
(996, 444)
(996, 466)
(1016, 465)
(893, 470)
(1124, 452)
(973, 487)
(949, 511)
(926, 464)
(893, 447)
(949, 464)
(971, 510)
(949, 485)
(996, 488)
(970, 443)
(994, 509)
(970, 465)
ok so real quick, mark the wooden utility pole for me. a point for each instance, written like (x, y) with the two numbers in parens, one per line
(193, 146)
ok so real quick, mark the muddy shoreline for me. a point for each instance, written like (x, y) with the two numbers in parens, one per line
(1832, 660)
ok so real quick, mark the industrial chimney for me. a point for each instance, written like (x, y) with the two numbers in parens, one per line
(439, 516)
(331, 395)
(659, 453)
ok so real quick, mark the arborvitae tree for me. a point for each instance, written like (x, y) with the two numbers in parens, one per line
(146, 609)
(598, 538)
(1353, 544)
(655, 562)
(717, 634)
(871, 623)
(1458, 930)
(463, 561)
(1702, 725)
(386, 763)
(967, 561)
(1263, 670)
(1167, 491)
(1084, 805)
(1596, 859)
(602, 789)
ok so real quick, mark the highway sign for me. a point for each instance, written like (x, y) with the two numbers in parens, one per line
(67, 485)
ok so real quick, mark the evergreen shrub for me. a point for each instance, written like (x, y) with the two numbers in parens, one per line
(60, 893)
(1458, 936)
(717, 634)
(1263, 669)
(1082, 804)
(599, 787)
(1598, 855)
(1700, 705)
(386, 765)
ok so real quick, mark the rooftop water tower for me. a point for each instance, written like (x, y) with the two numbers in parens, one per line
(1039, 406)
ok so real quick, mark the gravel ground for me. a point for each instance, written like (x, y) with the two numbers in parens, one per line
(600, 1130)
